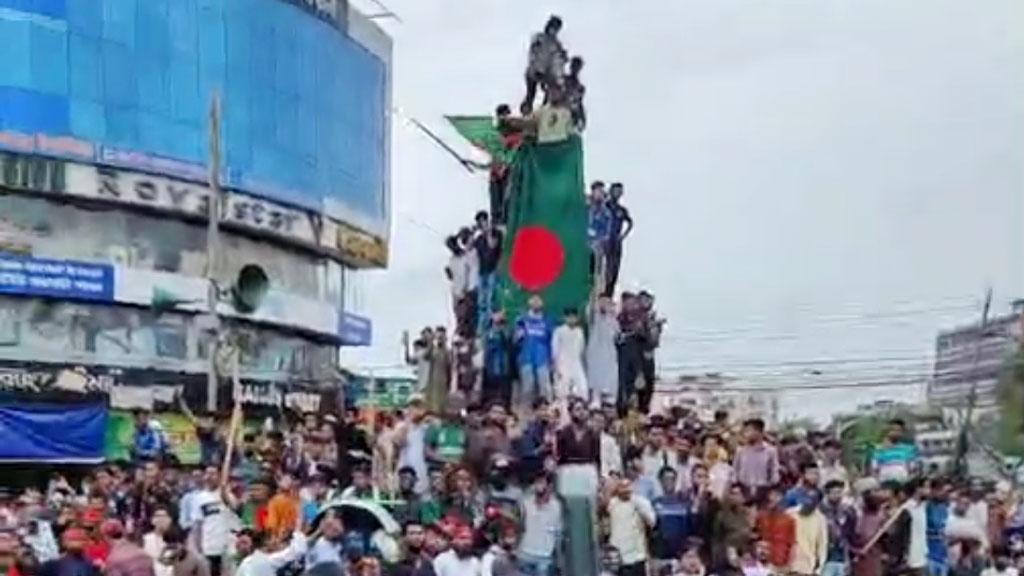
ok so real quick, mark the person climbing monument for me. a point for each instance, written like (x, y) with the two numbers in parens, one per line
(553, 121)
(599, 220)
(601, 357)
(546, 64)
(533, 335)
(574, 93)
(621, 226)
(568, 344)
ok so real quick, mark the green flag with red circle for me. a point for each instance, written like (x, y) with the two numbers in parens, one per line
(546, 249)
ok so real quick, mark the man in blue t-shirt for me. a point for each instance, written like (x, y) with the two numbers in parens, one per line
(533, 334)
(936, 514)
(674, 512)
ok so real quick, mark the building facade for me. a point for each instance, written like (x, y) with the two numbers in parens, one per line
(105, 138)
(969, 356)
(705, 394)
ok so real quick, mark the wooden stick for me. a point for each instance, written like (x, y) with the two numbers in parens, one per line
(235, 424)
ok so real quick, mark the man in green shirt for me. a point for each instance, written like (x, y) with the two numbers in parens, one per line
(446, 441)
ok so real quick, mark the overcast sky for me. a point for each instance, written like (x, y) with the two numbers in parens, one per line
(811, 179)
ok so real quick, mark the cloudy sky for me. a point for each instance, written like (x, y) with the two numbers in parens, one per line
(817, 184)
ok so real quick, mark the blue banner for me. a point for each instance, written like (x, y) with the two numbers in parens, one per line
(52, 433)
(27, 276)
(355, 330)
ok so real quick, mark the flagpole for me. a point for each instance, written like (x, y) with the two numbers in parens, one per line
(444, 145)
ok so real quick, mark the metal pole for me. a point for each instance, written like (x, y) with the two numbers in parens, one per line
(972, 397)
(213, 251)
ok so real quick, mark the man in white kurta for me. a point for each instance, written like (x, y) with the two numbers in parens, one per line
(568, 344)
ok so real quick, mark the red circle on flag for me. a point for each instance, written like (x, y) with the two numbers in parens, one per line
(537, 258)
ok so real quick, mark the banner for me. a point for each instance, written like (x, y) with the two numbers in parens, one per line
(52, 433)
(379, 393)
(181, 435)
(64, 279)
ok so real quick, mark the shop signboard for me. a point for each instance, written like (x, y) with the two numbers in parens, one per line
(63, 279)
(365, 392)
(354, 330)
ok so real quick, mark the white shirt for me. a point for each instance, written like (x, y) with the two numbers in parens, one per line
(449, 564)
(542, 526)
(720, 478)
(917, 554)
(465, 269)
(209, 511)
(413, 454)
(567, 346)
(487, 562)
(629, 520)
(979, 513)
(611, 456)
(153, 545)
(323, 551)
(260, 563)
(964, 527)
(653, 463)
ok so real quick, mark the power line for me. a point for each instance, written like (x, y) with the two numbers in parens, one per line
(833, 319)
(790, 388)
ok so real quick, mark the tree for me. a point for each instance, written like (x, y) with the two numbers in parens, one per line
(1010, 426)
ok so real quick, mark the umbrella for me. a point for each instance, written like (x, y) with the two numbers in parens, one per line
(363, 515)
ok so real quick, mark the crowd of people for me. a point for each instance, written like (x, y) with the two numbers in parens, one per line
(477, 491)
(529, 447)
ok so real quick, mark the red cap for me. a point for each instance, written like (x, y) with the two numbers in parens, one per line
(92, 516)
(112, 529)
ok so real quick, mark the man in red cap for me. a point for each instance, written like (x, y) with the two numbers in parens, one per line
(96, 548)
(460, 559)
(73, 561)
(126, 559)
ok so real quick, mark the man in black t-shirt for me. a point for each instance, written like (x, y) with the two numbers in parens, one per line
(487, 242)
(621, 226)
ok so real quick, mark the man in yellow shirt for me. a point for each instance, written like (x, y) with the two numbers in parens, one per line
(284, 508)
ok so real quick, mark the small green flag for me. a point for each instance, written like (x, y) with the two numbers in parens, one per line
(481, 132)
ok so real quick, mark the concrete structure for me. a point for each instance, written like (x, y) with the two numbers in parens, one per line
(705, 394)
(104, 196)
(957, 350)
(936, 443)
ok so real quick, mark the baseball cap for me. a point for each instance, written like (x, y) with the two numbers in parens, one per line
(416, 398)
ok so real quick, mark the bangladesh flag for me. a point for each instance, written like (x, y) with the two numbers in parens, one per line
(546, 249)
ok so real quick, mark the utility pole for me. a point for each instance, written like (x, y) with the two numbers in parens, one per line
(213, 253)
(972, 397)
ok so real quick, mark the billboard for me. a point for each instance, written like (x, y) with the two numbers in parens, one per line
(305, 94)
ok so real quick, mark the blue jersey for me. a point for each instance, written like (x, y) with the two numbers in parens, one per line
(534, 331)
(936, 514)
(675, 525)
(599, 227)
